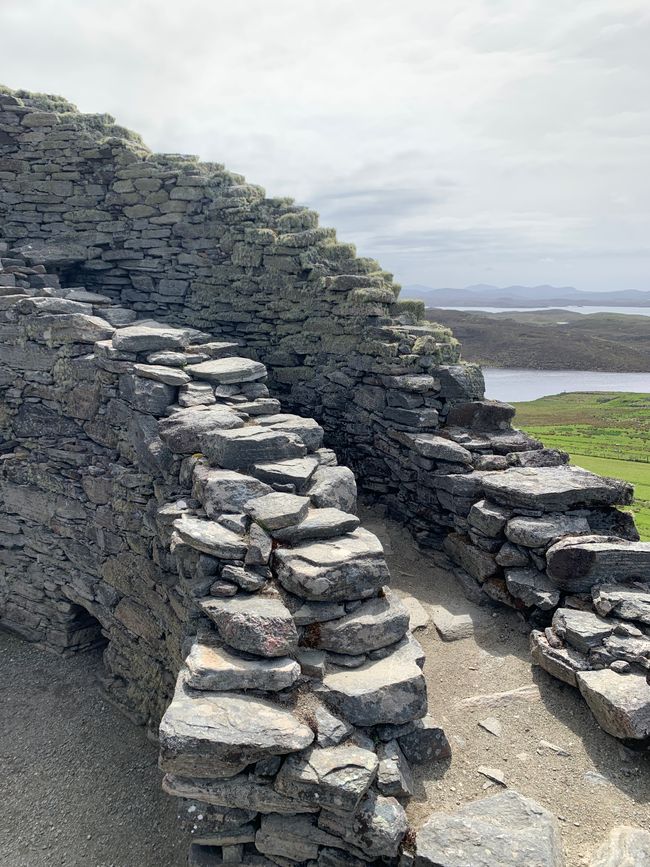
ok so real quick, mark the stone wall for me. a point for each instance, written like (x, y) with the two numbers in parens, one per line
(114, 526)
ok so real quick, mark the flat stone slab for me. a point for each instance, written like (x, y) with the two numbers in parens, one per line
(211, 538)
(540, 532)
(582, 629)
(577, 564)
(148, 335)
(390, 690)
(628, 601)
(533, 588)
(506, 830)
(376, 829)
(275, 510)
(238, 792)
(561, 662)
(335, 777)
(168, 375)
(318, 524)
(440, 449)
(295, 471)
(376, 623)
(227, 371)
(213, 668)
(232, 449)
(204, 735)
(308, 429)
(183, 431)
(333, 487)
(350, 567)
(295, 839)
(226, 491)
(418, 615)
(452, 627)
(625, 847)
(555, 489)
(256, 624)
(620, 702)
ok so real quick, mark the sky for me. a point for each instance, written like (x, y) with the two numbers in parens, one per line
(458, 142)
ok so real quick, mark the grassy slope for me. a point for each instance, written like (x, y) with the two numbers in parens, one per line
(608, 342)
(608, 433)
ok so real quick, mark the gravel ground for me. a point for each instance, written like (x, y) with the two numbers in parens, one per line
(597, 786)
(79, 785)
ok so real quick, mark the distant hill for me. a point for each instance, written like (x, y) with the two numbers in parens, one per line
(484, 295)
(551, 340)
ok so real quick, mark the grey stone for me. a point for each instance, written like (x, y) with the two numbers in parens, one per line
(506, 830)
(479, 564)
(211, 538)
(540, 532)
(333, 487)
(424, 741)
(226, 371)
(237, 792)
(168, 375)
(260, 546)
(146, 395)
(214, 668)
(273, 511)
(297, 838)
(317, 612)
(330, 729)
(317, 524)
(183, 431)
(307, 429)
(532, 588)
(634, 649)
(562, 662)
(628, 601)
(418, 615)
(244, 578)
(488, 518)
(148, 335)
(196, 394)
(582, 629)
(376, 623)
(204, 735)
(394, 777)
(233, 449)
(625, 847)
(296, 472)
(351, 567)
(452, 627)
(577, 564)
(333, 777)
(390, 690)
(256, 624)
(376, 829)
(620, 702)
(225, 490)
(510, 556)
(555, 489)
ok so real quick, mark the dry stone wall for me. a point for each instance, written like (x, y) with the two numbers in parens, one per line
(158, 496)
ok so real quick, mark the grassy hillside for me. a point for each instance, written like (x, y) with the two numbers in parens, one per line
(551, 340)
(608, 433)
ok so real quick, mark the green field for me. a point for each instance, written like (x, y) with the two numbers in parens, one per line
(606, 432)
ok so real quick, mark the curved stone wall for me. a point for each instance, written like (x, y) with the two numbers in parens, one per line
(159, 497)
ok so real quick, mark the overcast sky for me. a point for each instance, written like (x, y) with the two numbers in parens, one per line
(464, 141)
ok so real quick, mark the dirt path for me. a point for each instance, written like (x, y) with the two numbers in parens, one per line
(598, 785)
(79, 785)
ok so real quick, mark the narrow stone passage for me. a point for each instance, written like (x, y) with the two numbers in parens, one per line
(600, 784)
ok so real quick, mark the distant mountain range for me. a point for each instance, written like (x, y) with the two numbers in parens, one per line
(484, 295)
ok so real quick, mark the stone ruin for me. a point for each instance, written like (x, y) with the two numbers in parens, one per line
(182, 361)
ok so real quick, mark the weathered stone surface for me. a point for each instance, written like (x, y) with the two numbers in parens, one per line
(233, 449)
(351, 567)
(333, 487)
(555, 489)
(273, 511)
(479, 564)
(376, 829)
(488, 518)
(225, 371)
(440, 449)
(214, 668)
(211, 538)
(225, 490)
(183, 431)
(376, 623)
(540, 532)
(506, 830)
(204, 735)
(532, 588)
(450, 626)
(168, 375)
(423, 741)
(297, 838)
(582, 629)
(389, 690)
(146, 395)
(576, 564)
(625, 847)
(620, 702)
(561, 662)
(238, 792)
(628, 601)
(256, 624)
(307, 429)
(394, 777)
(330, 729)
(418, 615)
(147, 336)
(318, 524)
(295, 471)
(335, 777)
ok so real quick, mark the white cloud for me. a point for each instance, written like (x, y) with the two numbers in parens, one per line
(449, 140)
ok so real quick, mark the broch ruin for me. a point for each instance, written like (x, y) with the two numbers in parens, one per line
(193, 376)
